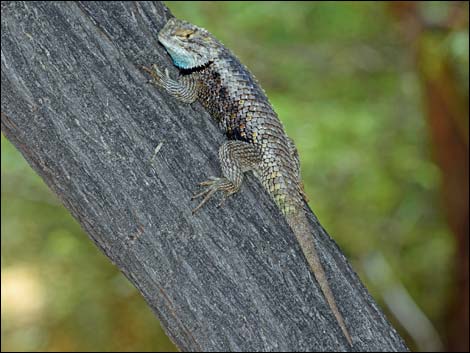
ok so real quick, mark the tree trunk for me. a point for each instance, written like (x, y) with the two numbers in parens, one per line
(124, 158)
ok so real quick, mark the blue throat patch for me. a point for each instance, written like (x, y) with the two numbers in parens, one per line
(179, 60)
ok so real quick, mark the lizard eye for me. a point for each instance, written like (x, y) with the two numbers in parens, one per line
(184, 33)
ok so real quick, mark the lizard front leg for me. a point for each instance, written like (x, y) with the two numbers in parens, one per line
(185, 89)
(236, 158)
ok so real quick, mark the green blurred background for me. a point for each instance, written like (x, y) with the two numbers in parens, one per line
(375, 95)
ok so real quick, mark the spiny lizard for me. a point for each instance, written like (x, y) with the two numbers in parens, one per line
(256, 138)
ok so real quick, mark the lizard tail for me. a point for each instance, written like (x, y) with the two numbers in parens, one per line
(299, 224)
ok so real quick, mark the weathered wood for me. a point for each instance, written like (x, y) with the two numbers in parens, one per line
(124, 158)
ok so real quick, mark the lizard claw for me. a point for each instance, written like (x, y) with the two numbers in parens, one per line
(213, 185)
(158, 77)
(208, 182)
(202, 193)
(209, 192)
(149, 71)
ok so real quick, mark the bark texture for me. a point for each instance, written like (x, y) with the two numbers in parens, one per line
(124, 158)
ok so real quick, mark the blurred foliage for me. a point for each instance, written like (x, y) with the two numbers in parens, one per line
(345, 88)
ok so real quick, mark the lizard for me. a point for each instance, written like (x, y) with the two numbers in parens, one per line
(257, 142)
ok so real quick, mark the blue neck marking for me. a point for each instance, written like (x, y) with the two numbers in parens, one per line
(179, 60)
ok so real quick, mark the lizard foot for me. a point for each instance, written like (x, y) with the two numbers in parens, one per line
(158, 76)
(213, 185)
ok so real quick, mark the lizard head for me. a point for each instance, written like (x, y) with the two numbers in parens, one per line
(188, 45)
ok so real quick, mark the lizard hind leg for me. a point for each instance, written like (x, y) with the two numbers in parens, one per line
(236, 158)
